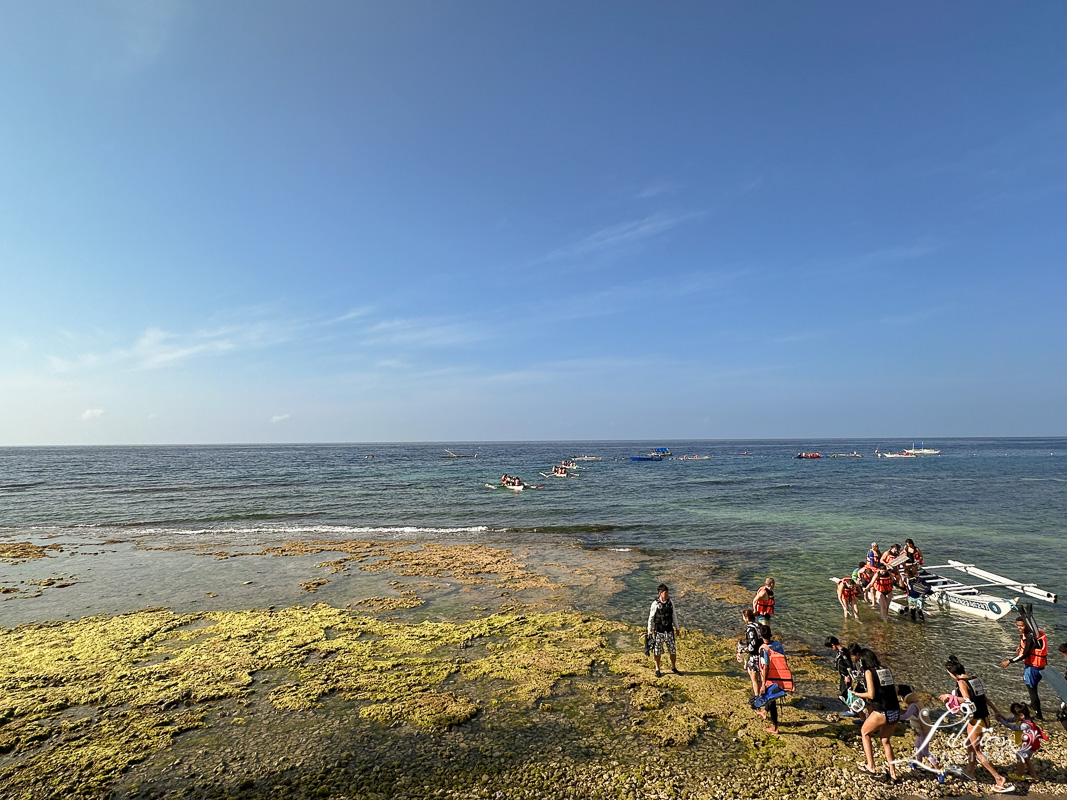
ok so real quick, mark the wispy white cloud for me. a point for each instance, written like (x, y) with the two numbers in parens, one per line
(157, 348)
(643, 294)
(420, 333)
(278, 418)
(622, 234)
(92, 413)
(658, 189)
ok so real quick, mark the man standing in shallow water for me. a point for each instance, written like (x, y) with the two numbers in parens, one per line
(663, 627)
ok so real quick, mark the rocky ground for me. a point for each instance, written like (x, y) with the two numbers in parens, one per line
(516, 695)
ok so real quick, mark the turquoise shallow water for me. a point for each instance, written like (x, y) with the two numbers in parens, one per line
(999, 502)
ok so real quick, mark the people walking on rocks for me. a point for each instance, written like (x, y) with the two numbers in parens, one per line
(918, 717)
(1062, 714)
(1032, 737)
(663, 626)
(970, 688)
(883, 710)
(766, 654)
(1032, 651)
(763, 602)
(843, 665)
(748, 649)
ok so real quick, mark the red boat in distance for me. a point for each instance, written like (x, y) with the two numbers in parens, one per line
(809, 455)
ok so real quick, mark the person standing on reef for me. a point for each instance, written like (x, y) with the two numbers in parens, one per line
(1061, 715)
(1033, 651)
(844, 667)
(883, 706)
(663, 627)
(970, 688)
(749, 649)
(763, 602)
(770, 710)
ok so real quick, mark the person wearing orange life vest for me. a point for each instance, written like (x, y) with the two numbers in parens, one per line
(847, 592)
(763, 602)
(1033, 651)
(883, 587)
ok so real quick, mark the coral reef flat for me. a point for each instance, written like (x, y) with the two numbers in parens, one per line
(467, 671)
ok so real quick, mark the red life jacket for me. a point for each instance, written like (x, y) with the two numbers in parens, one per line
(765, 604)
(1033, 735)
(849, 591)
(778, 670)
(884, 583)
(1038, 657)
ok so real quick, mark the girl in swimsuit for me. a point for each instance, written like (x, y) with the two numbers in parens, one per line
(883, 708)
(971, 690)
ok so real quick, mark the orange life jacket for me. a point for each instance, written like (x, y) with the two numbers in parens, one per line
(765, 604)
(884, 583)
(1038, 657)
(849, 591)
(778, 670)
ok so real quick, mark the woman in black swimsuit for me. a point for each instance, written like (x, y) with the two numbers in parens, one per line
(883, 710)
(971, 690)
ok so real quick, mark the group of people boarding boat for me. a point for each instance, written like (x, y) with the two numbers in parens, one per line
(879, 575)
(868, 688)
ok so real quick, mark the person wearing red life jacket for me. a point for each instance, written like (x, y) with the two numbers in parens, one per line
(763, 602)
(847, 592)
(883, 586)
(1033, 652)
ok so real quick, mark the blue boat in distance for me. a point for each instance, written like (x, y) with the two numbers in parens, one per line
(657, 454)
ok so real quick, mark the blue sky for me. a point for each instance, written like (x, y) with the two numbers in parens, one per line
(423, 221)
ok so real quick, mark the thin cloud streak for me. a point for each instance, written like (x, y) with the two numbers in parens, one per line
(625, 233)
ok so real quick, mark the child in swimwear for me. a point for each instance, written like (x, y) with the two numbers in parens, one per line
(918, 717)
(1032, 738)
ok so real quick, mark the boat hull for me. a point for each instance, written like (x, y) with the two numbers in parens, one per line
(951, 595)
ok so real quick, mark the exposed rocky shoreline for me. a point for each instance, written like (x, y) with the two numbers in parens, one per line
(516, 695)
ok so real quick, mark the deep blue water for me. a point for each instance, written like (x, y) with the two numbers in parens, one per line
(999, 502)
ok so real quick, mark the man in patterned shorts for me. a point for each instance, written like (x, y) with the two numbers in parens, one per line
(663, 627)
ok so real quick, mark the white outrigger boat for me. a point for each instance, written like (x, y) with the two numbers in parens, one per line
(587, 458)
(971, 598)
(901, 454)
(921, 450)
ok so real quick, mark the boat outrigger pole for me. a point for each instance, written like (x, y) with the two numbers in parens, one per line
(1029, 589)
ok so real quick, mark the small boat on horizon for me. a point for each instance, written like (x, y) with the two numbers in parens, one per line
(587, 458)
(853, 454)
(901, 454)
(450, 454)
(808, 455)
(921, 450)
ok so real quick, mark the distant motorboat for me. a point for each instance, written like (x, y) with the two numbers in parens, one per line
(808, 455)
(450, 454)
(853, 454)
(587, 458)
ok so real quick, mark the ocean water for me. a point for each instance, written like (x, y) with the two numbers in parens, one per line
(998, 503)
